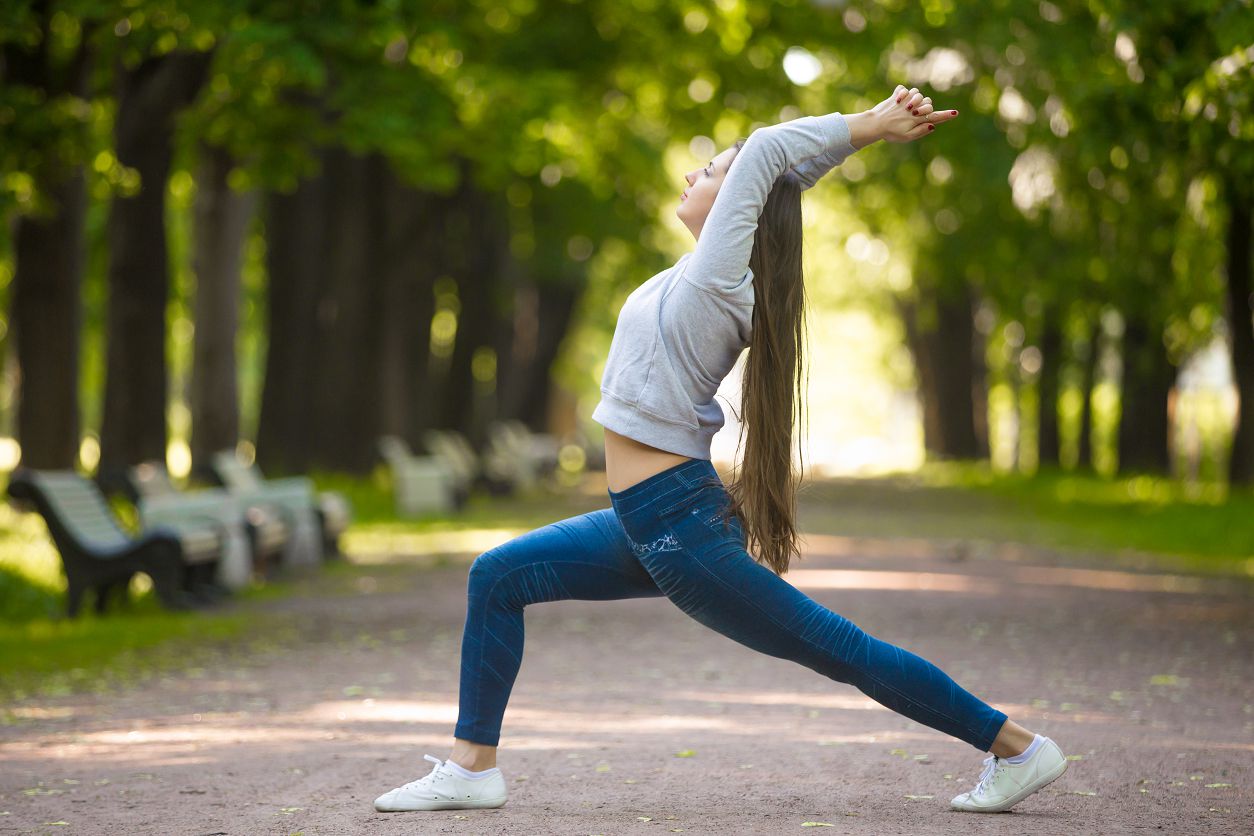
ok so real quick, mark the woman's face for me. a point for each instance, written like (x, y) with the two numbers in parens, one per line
(703, 185)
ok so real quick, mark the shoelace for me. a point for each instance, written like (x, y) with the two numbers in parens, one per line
(991, 766)
(434, 775)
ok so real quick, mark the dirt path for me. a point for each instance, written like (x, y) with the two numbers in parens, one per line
(1144, 678)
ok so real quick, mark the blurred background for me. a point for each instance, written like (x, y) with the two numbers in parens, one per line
(296, 226)
(292, 228)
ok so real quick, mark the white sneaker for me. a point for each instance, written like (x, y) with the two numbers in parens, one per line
(444, 789)
(1003, 785)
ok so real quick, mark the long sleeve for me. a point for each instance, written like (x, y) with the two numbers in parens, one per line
(720, 260)
(813, 169)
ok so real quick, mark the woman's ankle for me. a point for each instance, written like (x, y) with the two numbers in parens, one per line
(475, 757)
(1012, 740)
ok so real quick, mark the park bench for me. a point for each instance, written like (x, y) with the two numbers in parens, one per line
(460, 460)
(98, 556)
(518, 457)
(254, 535)
(421, 484)
(315, 519)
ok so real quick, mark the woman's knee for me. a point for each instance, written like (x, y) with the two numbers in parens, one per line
(486, 570)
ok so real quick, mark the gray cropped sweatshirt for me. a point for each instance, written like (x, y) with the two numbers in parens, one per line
(680, 333)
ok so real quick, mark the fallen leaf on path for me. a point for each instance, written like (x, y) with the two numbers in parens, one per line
(644, 818)
(686, 753)
(817, 824)
(1075, 757)
(920, 796)
(1081, 792)
(1219, 785)
(603, 768)
(1165, 679)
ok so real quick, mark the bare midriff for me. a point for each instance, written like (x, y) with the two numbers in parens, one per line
(628, 461)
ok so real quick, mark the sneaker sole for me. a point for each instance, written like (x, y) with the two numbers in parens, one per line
(486, 803)
(1020, 795)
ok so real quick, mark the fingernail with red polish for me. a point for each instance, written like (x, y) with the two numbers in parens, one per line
(931, 127)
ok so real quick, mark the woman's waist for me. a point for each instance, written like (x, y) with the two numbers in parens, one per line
(629, 462)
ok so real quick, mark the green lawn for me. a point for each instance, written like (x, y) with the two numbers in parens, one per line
(1204, 529)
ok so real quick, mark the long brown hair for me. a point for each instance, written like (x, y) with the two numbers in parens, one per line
(764, 493)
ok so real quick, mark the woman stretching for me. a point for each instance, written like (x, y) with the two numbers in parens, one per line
(674, 529)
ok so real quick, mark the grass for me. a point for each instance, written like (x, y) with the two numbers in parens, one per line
(1203, 528)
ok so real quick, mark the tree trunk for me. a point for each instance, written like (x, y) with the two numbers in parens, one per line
(48, 320)
(979, 394)
(421, 300)
(149, 97)
(296, 259)
(345, 340)
(1240, 305)
(46, 317)
(1047, 390)
(408, 271)
(940, 331)
(222, 218)
(480, 235)
(1147, 380)
(1088, 379)
(554, 308)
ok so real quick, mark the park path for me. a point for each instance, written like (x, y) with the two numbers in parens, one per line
(1144, 678)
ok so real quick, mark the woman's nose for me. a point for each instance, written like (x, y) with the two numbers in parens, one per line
(689, 177)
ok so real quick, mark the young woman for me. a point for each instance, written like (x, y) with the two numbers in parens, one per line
(674, 529)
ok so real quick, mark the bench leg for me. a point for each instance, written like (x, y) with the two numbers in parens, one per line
(116, 588)
(74, 590)
(164, 567)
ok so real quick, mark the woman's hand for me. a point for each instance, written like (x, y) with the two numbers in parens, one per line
(904, 116)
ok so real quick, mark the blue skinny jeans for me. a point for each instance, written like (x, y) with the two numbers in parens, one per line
(664, 536)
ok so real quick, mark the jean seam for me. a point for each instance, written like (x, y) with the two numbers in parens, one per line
(652, 501)
(906, 698)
